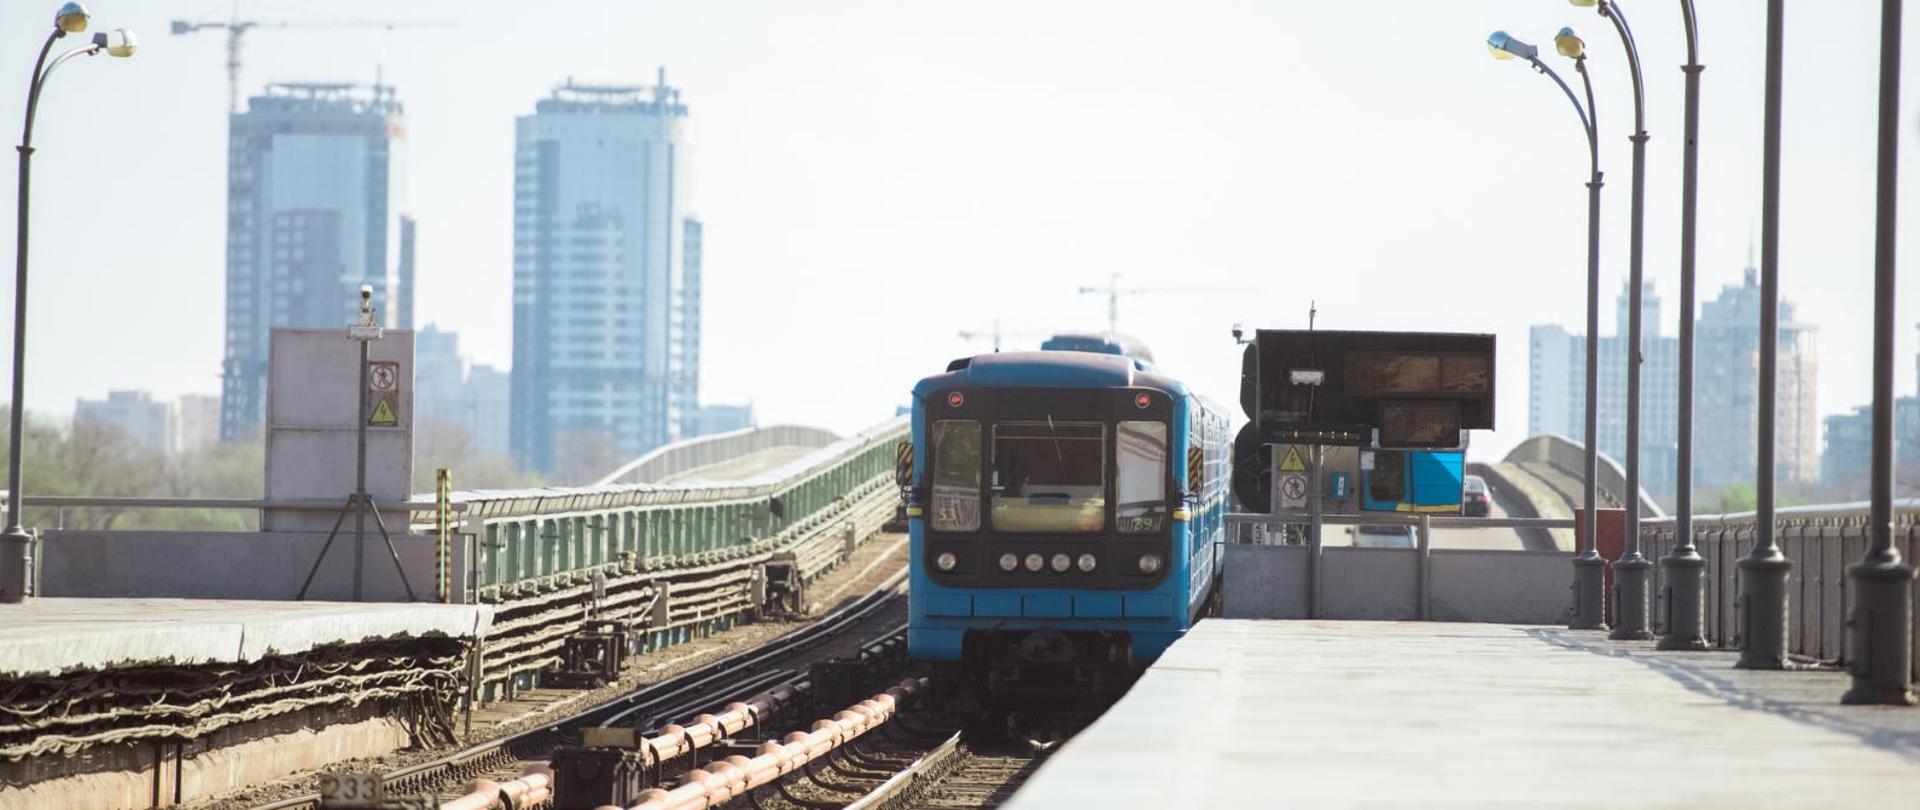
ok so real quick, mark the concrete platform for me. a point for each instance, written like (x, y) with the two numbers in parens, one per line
(1409, 714)
(55, 635)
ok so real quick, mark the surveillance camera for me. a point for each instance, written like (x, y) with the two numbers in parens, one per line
(1239, 333)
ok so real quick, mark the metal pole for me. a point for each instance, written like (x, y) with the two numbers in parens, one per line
(1589, 568)
(1630, 572)
(1882, 619)
(15, 542)
(1315, 519)
(360, 476)
(1425, 539)
(1685, 569)
(1763, 572)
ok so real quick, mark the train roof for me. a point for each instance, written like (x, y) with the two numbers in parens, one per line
(1109, 343)
(1050, 369)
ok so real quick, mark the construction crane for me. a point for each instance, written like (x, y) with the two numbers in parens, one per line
(996, 335)
(237, 29)
(1113, 291)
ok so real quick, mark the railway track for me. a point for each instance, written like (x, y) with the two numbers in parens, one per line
(677, 696)
(954, 775)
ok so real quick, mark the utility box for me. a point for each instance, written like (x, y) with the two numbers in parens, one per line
(313, 414)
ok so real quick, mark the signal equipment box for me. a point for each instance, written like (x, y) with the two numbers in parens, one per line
(1394, 390)
(1391, 410)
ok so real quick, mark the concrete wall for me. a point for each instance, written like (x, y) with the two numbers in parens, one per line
(237, 565)
(1264, 582)
(1518, 587)
(1522, 587)
(313, 411)
(1371, 583)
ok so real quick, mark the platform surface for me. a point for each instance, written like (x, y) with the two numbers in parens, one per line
(1411, 714)
(54, 635)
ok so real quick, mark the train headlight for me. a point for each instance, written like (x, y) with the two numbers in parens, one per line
(1009, 561)
(946, 561)
(1061, 563)
(1087, 563)
(1035, 562)
(1149, 563)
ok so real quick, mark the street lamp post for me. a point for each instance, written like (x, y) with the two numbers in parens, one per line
(72, 18)
(1882, 620)
(1685, 569)
(1763, 572)
(1589, 567)
(1631, 571)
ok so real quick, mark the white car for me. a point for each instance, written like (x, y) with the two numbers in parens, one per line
(1384, 537)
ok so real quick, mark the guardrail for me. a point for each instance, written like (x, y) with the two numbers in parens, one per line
(664, 563)
(540, 539)
(1821, 541)
(1318, 583)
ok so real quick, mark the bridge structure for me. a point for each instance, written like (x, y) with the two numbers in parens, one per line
(536, 587)
(513, 591)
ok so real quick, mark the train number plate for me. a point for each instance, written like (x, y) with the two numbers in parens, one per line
(348, 789)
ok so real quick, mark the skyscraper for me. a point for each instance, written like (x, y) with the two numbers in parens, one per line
(313, 188)
(1726, 391)
(606, 272)
(1557, 369)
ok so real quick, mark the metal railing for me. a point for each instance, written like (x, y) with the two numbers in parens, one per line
(1423, 525)
(1821, 541)
(540, 539)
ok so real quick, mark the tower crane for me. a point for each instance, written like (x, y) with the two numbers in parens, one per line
(237, 29)
(1113, 291)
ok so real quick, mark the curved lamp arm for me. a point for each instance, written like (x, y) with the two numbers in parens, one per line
(1612, 12)
(1587, 123)
(33, 87)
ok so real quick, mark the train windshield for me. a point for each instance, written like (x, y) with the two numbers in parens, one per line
(956, 475)
(1049, 476)
(1141, 486)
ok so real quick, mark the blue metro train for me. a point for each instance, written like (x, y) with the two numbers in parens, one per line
(1065, 509)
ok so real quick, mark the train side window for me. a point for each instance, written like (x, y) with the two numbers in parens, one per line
(1141, 485)
(956, 475)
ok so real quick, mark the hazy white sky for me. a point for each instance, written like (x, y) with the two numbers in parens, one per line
(875, 176)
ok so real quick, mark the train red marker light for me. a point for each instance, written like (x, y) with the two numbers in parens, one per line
(1142, 400)
(956, 399)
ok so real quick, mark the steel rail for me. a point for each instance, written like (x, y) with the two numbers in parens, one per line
(696, 680)
(910, 776)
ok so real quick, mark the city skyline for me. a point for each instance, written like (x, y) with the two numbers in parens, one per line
(1725, 390)
(834, 201)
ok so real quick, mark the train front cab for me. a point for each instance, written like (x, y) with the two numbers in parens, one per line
(1050, 636)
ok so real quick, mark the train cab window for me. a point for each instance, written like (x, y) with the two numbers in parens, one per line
(1049, 476)
(1141, 480)
(956, 475)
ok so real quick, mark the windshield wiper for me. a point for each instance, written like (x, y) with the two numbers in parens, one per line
(1057, 453)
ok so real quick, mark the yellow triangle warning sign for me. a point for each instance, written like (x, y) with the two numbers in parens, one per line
(383, 415)
(1292, 462)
